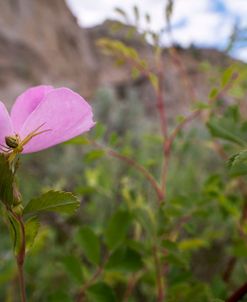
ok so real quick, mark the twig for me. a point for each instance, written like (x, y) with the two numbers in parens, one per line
(141, 169)
(229, 269)
(238, 294)
(131, 162)
(95, 276)
(130, 287)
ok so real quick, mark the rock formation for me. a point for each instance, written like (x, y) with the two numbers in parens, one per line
(41, 42)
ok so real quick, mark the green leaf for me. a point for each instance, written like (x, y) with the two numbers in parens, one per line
(125, 259)
(192, 244)
(6, 182)
(135, 73)
(73, 267)
(201, 105)
(238, 158)
(222, 129)
(90, 244)
(31, 230)
(53, 201)
(213, 93)
(176, 260)
(94, 155)
(144, 217)
(100, 292)
(79, 140)
(117, 228)
(154, 80)
(99, 131)
(7, 272)
(227, 76)
(59, 296)
(238, 164)
(15, 231)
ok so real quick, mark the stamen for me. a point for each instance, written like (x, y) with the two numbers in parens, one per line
(33, 134)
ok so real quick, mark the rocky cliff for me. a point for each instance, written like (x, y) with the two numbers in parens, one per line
(40, 42)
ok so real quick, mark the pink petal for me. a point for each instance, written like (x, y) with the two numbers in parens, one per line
(64, 113)
(6, 127)
(26, 103)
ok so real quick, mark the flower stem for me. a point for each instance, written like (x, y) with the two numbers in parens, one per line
(20, 257)
(21, 281)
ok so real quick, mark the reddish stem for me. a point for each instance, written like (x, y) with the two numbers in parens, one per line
(238, 294)
(98, 272)
(131, 162)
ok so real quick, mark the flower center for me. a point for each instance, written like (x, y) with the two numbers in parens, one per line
(14, 144)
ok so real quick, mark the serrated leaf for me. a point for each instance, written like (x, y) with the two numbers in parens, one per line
(117, 228)
(221, 129)
(73, 267)
(238, 158)
(89, 243)
(101, 292)
(53, 201)
(31, 230)
(6, 182)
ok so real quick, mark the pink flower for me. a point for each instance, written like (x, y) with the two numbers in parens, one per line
(42, 117)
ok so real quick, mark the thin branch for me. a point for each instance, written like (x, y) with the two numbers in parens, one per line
(141, 169)
(95, 276)
(229, 269)
(238, 294)
(131, 162)
(131, 284)
(179, 127)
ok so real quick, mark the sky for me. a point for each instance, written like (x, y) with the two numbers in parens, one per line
(206, 23)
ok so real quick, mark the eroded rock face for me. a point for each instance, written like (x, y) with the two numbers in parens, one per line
(41, 43)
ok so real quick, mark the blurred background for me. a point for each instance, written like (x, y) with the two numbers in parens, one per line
(55, 42)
